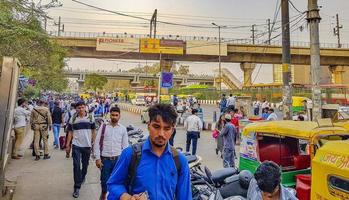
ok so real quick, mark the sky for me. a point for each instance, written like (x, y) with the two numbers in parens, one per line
(231, 13)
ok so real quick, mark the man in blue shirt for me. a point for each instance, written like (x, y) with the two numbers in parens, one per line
(156, 174)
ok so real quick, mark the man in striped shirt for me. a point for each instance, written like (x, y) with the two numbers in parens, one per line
(82, 133)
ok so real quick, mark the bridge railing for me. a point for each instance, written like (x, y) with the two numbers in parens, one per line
(180, 37)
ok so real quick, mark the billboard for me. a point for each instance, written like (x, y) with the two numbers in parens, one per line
(206, 48)
(117, 44)
(164, 46)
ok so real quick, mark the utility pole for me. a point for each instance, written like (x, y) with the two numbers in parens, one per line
(219, 57)
(253, 33)
(336, 31)
(313, 21)
(153, 23)
(60, 26)
(269, 30)
(286, 60)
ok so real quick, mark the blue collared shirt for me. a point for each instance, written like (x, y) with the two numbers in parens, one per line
(156, 175)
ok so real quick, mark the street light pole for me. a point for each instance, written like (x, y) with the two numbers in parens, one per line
(219, 57)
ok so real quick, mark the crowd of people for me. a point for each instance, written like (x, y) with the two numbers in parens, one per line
(127, 172)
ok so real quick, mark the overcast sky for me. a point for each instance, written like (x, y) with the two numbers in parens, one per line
(232, 13)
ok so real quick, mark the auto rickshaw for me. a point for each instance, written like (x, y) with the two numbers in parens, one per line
(330, 172)
(290, 144)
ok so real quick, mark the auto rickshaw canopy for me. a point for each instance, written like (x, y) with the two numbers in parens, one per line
(305, 130)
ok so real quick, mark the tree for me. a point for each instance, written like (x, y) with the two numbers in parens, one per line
(22, 36)
(94, 81)
(183, 70)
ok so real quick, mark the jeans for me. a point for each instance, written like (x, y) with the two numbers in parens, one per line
(192, 136)
(81, 155)
(228, 158)
(56, 128)
(256, 111)
(107, 169)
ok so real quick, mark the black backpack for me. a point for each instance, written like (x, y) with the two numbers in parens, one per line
(136, 157)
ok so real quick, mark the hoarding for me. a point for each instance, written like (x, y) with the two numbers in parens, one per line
(164, 46)
(205, 48)
(117, 44)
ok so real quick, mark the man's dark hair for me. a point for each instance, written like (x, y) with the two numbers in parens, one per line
(56, 103)
(300, 118)
(231, 95)
(21, 101)
(268, 176)
(80, 103)
(271, 109)
(166, 111)
(223, 95)
(115, 109)
(194, 111)
(73, 105)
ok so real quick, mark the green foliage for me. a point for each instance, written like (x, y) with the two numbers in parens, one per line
(22, 36)
(94, 81)
(195, 87)
(31, 92)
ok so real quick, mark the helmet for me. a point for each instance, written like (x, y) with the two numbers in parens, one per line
(245, 177)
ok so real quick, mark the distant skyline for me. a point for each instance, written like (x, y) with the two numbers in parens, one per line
(79, 18)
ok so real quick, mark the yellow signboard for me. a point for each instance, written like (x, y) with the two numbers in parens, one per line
(117, 44)
(150, 45)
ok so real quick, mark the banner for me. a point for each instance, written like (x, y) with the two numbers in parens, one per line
(117, 44)
(150, 45)
(166, 79)
(206, 48)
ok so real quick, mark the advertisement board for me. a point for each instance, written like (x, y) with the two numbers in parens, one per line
(205, 48)
(117, 44)
(164, 46)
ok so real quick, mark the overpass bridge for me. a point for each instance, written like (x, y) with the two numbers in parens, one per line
(136, 77)
(83, 45)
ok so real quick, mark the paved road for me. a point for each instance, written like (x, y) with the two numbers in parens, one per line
(53, 179)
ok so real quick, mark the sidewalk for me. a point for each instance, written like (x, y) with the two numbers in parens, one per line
(49, 179)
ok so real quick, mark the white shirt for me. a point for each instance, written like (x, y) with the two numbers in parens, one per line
(115, 140)
(20, 117)
(82, 133)
(265, 104)
(193, 123)
(272, 117)
(231, 101)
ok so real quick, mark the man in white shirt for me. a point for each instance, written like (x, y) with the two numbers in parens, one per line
(272, 116)
(111, 139)
(21, 114)
(231, 101)
(193, 126)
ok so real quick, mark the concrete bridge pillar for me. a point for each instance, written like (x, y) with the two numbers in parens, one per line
(135, 81)
(247, 68)
(337, 74)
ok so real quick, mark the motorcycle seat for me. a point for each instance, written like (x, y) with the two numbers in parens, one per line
(191, 158)
(218, 176)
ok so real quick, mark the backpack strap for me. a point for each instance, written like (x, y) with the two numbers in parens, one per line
(132, 169)
(176, 160)
(101, 140)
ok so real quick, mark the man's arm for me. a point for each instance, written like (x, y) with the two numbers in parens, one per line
(183, 188)
(224, 131)
(96, 145)
(116, 183)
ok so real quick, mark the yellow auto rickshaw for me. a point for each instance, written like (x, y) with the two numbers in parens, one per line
(290, 144)
(330, 172)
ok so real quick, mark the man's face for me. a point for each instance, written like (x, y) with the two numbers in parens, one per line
(114, 117)
(159, 132)
(81, 109)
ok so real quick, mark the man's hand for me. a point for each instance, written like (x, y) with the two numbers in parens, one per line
(99, 163)
(67, 148)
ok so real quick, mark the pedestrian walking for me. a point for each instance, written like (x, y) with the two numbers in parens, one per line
(231, 101)
(153, 169)
(193, 126)
(219, 139)
(57, 122)
(223, 104)
(229, 133)
(82, 134)
(22, 112)
(41, 123)
(111, 139)
(256, 105)
(67, 118)
(272, 116)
